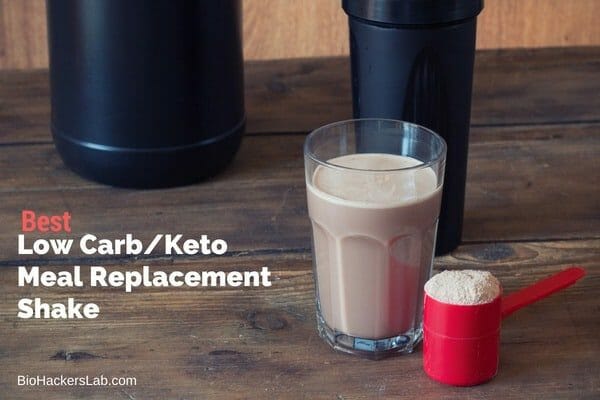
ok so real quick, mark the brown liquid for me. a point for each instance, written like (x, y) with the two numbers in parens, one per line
(373, 239)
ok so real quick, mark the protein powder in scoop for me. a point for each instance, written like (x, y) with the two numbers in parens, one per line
(462, 316)
(466, 287)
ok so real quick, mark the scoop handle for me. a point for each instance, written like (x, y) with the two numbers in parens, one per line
(540, 290)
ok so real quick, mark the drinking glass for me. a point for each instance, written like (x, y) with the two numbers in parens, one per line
(374, 188)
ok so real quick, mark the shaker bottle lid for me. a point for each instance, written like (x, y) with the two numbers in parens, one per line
(413, 12)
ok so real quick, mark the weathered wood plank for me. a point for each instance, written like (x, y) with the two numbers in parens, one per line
(534, 189)
(534, 184)
(528, 189)
(262, 343)
(511, 87)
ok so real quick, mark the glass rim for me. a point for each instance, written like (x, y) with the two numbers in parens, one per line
(423, 165)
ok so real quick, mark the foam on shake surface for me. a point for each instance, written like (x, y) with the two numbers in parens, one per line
(373, 178)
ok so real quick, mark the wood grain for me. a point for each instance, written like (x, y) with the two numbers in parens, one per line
(532, 209)
(262, 343)
(547, 86)
(23, 34)
(307, 28)
(538, 23)
(288, 29)
(526, 189)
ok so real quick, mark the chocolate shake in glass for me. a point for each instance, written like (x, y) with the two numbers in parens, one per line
(374, 215)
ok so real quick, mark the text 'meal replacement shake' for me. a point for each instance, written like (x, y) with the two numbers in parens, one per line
(373, 240)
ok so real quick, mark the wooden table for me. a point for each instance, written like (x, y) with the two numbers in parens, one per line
(532, 208)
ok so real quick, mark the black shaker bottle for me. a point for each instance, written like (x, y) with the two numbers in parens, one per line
(146, 93)
(413, 60)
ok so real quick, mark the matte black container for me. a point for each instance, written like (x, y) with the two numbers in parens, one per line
(413, 60)
(146, 93)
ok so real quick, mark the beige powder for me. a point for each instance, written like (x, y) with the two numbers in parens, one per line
(466, 287)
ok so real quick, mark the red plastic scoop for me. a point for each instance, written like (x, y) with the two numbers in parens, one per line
(461, 342)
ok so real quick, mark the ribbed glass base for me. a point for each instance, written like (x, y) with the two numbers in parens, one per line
(369, 348)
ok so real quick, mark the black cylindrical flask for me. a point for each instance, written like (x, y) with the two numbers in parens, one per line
(413, 60)
(146, 93)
